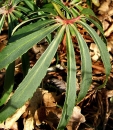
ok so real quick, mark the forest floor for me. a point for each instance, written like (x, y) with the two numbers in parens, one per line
(42, 112)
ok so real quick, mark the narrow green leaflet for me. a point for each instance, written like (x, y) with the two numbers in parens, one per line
(2, 22)
(102, 47)
(88, 11)
(89, 2)
(25, 63)
(71, 83)
(28, 29)
(98, 24)
(18, 14)
(86, 66)
(48, 10)
(23, 9)
(15, 2)
(8, 83)
(74, 2)
(19, 47)
(30, 4)
(61, 4)
(32, 80)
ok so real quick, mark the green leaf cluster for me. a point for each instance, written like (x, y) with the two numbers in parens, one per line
(41, 23)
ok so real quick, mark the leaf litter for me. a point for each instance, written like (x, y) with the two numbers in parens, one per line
(44, 110)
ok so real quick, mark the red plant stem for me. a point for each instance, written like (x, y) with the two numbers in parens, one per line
(68, 21)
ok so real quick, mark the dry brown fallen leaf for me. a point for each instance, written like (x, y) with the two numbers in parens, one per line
(94, 48)
(109, 31)
(29, 123)
(104, 7)
(2, 125)
(42, 107)
(40, 115)
(105, 16)
(76, 119)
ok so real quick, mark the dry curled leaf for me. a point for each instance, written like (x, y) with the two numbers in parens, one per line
(49, 99)
(104, 7)
(109, 31)
(96, 52)
(76, 119)
(40, 115)
(110, 93)
(29, 123)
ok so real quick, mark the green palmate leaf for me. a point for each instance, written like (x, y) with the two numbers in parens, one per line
(86, 66)
(32, 80)
(71, 83)
(19, 47)
(2, 22)
(102, 47)
(8, 83)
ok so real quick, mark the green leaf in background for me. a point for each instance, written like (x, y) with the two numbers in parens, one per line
(33, 79)
(2, 22)
(71, 83)
(8, 83)
(102, 48)
(15, 2)
(19, 47)
(89, 2)
(88, 11)
(23, 9)
(17, 13)
(86, 66)
(25, 64)
(62, 5)
(30, 4)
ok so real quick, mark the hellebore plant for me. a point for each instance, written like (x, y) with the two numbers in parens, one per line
(13, 12)
(62, 18)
